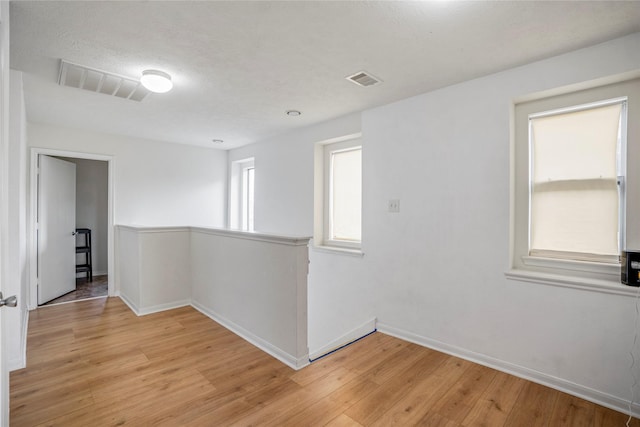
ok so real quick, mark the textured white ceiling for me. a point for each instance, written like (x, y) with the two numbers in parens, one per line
(238, 66)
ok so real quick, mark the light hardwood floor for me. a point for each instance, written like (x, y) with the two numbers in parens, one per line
(94, 363)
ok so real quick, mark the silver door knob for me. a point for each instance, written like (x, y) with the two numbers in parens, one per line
(11, 301)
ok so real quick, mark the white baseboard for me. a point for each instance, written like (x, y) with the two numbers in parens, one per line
(351, 336)
(563, 385)
(286, 358)
(128, 302)
(162, 307)
(143, 311)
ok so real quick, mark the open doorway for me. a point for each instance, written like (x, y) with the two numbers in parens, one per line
(91, 224)
(86, 252)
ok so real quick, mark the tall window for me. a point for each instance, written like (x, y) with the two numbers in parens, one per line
(570, 195)
(576, 165)
(342, 163)
(247, 197)
(241, 194)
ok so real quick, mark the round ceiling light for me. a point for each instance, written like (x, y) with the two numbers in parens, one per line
(217, 141)
(156, 81)
(293, 113)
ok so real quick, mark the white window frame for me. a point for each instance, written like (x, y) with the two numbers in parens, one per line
(246, 196)
(322, 212)
(567, 272)
(239, 216)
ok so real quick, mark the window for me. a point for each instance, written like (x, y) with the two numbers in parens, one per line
(247, 197)
(241, 194)
(340, 178)
(570, 182)
(576, 164)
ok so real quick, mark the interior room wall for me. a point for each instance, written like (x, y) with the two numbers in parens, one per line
(438, 266)
(155, 183)
(92, 208)
(434, 272)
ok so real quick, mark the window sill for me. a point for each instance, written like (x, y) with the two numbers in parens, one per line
(585, 283)
(337, 250)
(601, 268)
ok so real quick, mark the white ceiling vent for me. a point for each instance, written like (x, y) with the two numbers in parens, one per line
(363, 78)
(81, 77)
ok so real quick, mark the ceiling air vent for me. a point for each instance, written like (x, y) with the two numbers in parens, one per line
(93, 80)
(363, 78)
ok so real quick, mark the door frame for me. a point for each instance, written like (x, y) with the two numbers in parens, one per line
(32, 297)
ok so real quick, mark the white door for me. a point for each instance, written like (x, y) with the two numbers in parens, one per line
(4, 371)
(4, 140)
(56, 228)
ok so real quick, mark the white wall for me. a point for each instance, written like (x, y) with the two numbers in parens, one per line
(92, 208)
(434, 273)
(156, 183)
(16, 236)
(154, 267)
(439, 265)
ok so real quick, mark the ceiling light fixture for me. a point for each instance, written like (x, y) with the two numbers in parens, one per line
(293, 113)
(217, 141)
(156, 81)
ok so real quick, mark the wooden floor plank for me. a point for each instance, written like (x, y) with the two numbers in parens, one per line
(324, 410)
(343, 420)
(534, 406)
(496, 402)
(570, 411)
(369, 410)
(429, 390)
(95, 363)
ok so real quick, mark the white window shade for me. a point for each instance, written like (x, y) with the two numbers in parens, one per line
(346, 195)
(574, 205)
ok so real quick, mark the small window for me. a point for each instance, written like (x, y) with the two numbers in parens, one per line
(341, 194)
(241, 194)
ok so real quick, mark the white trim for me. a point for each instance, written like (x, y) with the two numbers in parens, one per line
(573, 265)
(236, 234)
(328, 151)
(611, 88)
(31, 297)
(71, 302)
(142, 229)
(351, 336)
(580, 107)
(556, 383)
(143, 311)
(283, 356)
(584, 283)
(337, 251)
(235, 191)
(133, 307)
(254, 235)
